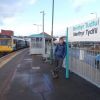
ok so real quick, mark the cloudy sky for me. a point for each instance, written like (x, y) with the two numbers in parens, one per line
(21, 15)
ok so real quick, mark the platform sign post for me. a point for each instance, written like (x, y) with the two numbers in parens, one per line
(67, 55)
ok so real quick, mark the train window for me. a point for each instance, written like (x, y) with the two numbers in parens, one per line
(4, 36)
(5, 42)
(14, 41)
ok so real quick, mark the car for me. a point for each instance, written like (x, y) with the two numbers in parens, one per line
(97, 61)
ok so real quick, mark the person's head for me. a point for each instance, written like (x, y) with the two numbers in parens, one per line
(61, 40)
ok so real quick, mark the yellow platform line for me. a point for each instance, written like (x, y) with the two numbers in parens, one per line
(9, 57)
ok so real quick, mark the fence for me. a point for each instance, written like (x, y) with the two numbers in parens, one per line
(85, 63)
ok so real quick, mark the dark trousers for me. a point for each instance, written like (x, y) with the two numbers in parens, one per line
(58, 64)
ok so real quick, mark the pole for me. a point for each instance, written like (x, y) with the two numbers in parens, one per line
(67, 55)
(43, 21)
(43, 32)
(52, 31)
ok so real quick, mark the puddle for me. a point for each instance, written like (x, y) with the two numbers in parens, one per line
(28, 59)
(35, 68)
(38, 82)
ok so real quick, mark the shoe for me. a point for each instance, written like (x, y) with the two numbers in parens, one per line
(55, 76)
(52, 72)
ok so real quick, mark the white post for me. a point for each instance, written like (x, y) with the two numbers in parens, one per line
(43, 34)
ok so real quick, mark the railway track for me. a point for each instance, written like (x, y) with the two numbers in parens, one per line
(1, 55)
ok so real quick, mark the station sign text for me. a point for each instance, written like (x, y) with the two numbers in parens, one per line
(87, 28)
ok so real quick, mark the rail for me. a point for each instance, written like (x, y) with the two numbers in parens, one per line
(85, 63)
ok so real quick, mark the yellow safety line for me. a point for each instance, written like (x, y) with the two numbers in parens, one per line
(6, 60)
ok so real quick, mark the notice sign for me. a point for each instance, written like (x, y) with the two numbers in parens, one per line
(88, 31)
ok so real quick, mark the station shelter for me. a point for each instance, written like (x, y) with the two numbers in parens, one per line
(40, 44)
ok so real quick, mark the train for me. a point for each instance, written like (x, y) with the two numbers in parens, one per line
(12, 43)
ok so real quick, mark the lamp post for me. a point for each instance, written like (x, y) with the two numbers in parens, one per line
(43, 32)
(52, 31)
(43, 19)
(94, 13)
(37, 27)
(96, 18)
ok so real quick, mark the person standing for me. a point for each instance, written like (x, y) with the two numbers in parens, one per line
(59, 54)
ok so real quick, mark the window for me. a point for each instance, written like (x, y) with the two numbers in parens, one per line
(5, 42)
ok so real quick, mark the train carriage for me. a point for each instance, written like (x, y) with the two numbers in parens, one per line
(18, 43)
(11, 43)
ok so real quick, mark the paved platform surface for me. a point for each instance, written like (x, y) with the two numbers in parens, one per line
(31, 80)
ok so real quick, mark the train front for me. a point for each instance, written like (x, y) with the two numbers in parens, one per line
(5, 44)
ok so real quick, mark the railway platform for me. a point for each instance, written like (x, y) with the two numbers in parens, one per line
(27, 77)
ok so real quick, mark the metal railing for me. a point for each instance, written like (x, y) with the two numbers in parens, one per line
(85, 63)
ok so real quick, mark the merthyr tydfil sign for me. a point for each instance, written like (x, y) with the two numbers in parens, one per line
(87, 31)
(87, 28)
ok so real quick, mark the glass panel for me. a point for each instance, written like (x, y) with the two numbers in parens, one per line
(36, 42)
(5, 42)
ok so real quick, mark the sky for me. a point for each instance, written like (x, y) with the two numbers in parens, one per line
(21, 15)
